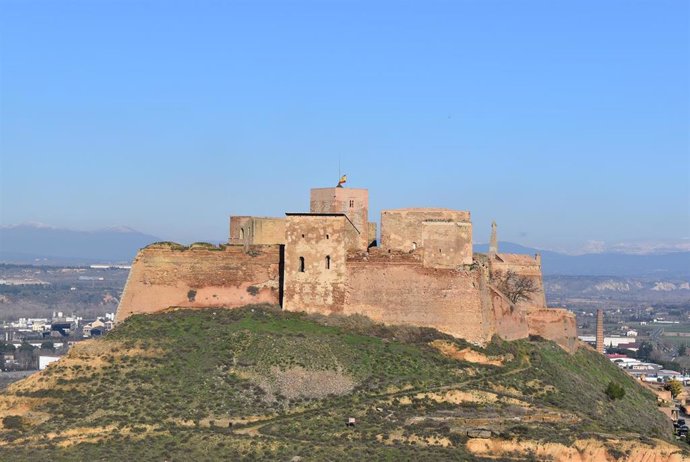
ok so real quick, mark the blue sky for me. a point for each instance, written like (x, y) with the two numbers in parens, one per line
(565, 121)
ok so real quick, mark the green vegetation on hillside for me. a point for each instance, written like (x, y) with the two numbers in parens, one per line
(258, 383)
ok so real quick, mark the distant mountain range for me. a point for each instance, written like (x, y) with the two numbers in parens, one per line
(676, 264)
(35, 243)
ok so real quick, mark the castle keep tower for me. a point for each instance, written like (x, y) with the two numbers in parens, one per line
(353, 203)
(600, 331)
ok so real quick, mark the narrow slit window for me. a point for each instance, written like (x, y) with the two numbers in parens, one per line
(328, 262)
(241, 233)
(301, 264)
(352, 204)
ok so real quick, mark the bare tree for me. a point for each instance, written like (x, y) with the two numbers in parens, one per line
(517, 288)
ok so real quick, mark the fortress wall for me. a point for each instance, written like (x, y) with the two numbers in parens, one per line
(320, 287)
(510, 321)
(352, 202)
(238, 223)
(447, 244)
(268, 231)
(162, 277)
(257, 230)
(408, 293)
(402, 229)
(523, 265)
(555, 324)
(371, 236)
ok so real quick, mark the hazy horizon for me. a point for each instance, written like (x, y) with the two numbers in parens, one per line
(567, 124)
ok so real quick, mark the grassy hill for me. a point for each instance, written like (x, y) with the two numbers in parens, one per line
(261, 384)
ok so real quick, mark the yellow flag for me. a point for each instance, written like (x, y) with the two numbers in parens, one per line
(343, 179)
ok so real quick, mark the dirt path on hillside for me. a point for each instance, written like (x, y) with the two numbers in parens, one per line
(255, 428)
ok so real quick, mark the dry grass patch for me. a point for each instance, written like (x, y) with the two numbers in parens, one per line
(460, 397)
(85, 357)
(539, 388)
(466, 354)
(581, 451)
(24, 407)
(424, 441)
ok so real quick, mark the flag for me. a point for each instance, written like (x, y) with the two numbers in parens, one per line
(343, 179)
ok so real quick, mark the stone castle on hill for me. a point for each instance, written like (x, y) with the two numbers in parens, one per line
(422, 272)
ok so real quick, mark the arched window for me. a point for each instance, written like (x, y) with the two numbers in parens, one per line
(328, 262)
(301, 264)
(241, 233)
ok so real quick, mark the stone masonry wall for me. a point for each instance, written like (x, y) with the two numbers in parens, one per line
(371, 237)
(351, 201)
(447, 244)
(401, 229)
(268, 231)
(405, 292)
(523, 265)
(322, 242)
(510, 321)
(256, 230)
(238, 229)
(162, 277)
(555, 324)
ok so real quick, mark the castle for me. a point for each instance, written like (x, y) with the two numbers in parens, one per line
(423, 271)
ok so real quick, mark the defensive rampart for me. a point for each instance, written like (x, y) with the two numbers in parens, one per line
(528, 266)
(510, 321)
(408, 293)
(167, 275)
(555, 324)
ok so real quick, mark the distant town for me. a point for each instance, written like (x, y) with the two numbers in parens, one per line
(44, 310)
(29, 344)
